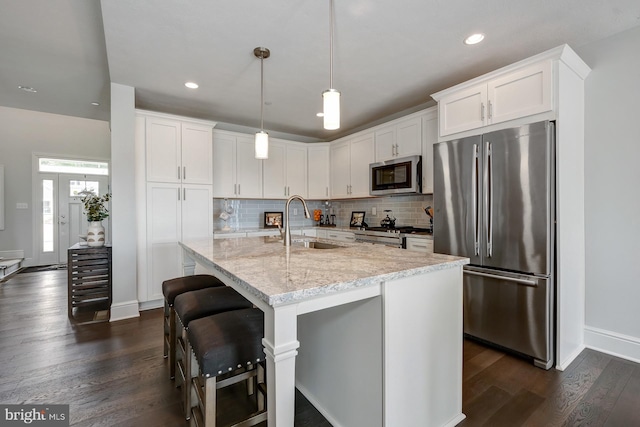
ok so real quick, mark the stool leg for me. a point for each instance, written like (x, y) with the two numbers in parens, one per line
(210, 402)
(172, 343)
(166, 330)
(188, 368)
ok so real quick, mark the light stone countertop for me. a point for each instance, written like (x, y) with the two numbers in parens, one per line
(264, 267)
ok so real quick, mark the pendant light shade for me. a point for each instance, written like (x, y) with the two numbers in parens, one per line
(331, 96)
(262, 145)
(331, 107)
(262, 138)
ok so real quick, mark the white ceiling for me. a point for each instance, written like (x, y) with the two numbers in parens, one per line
(389, 55)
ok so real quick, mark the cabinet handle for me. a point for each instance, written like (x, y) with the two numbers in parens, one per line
(393, 150)
(397, 151)
(238, 189)
(285, 190)
(235, 188)
(178, 173)
(482, 111)
(184, 194)
(178, 194)
(326, 191)
(490, 110)
(184, 172)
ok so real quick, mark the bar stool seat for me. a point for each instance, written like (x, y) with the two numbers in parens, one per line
(195, 305)
(227, 348)
(171, 289)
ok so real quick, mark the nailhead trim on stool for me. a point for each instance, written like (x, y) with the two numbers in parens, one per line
(229, 346)
(171, 289)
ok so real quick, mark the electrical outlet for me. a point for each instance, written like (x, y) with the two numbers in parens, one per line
(295, 211)
(374, 211)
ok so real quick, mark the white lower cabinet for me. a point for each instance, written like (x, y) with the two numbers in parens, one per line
(419, 245)
(344, 236)
(174, 212)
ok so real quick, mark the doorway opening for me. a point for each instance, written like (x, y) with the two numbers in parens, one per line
(60, 219)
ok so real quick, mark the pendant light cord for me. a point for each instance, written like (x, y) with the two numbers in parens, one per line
(262, 93)
(331, 44)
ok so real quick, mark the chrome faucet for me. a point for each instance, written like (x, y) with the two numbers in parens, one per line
(287, 229)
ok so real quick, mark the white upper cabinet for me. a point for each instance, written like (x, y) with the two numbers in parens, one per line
(236, 171)
(178, 151)
(197, 149)
(399, 138)
(518, 92)
(318, 171)
(429, 137)
(350, 161)
(285, 171)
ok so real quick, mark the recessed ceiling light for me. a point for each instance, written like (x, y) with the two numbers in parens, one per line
(320, 114)
(191, 85)
(27, 89)
(474, 39)
(95, 103)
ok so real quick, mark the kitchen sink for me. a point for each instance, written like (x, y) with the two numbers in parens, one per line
(321, 245)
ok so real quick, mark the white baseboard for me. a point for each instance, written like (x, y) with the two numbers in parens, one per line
(613, 343)
(124, 310)
(150, 305)
(311, 398)
(561, 365)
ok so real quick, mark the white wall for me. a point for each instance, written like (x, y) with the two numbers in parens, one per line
(24, 132)
(612, 195)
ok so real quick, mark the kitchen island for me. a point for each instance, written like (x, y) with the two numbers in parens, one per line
(372, 335)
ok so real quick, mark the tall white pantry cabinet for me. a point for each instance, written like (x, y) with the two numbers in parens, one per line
(178, 195)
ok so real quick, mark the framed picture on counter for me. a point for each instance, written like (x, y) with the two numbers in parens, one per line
(272, 219)
(357, 218)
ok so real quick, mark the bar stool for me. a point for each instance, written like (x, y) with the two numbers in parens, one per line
(227, 348)
(195, 305)
(170, 289)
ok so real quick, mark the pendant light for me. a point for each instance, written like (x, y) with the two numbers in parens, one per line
(331, 96)
(262, 137)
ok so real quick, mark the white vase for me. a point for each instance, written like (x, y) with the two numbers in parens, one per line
(95, 234)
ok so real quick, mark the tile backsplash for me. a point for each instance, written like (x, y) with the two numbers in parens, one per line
(249, 214)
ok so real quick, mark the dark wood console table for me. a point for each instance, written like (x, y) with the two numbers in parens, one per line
(89, 282)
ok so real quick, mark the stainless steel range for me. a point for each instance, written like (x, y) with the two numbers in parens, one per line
(389, 236)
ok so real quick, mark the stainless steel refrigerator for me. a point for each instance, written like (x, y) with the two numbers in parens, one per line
(494, 203)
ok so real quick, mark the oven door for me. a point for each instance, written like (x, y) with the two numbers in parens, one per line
(396, 176)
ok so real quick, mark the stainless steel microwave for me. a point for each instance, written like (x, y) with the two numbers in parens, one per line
(397, 176)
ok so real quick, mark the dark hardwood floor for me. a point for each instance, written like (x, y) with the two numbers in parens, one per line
(113, 374)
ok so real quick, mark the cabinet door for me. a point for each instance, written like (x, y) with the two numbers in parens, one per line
(318, 161)
(163, 150)
(340, 170)
(420, 245)
(197, 211)
(163, 234)
(409, 137)
(197, 167)
(463, 110)
(274, 172)
(385, 143)
(249, 169)
(296, 170)
(520, 94)
(429, 137)
(224, 165)
(362, 154)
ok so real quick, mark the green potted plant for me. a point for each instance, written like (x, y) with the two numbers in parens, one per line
(95, 207)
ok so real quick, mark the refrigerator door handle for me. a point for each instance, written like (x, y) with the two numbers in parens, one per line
(474, 202)
(488, 202)
(520, 281)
